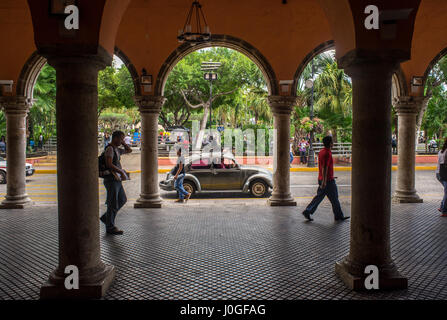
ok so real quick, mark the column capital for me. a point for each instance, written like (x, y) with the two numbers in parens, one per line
(99, 58)
(408, 104)
(15, 105)
(282, 104)
(361, 63)
(150, 104)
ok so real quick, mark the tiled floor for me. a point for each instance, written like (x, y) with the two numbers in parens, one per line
(227, 251)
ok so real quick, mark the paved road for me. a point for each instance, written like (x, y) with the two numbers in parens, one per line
(42, 189)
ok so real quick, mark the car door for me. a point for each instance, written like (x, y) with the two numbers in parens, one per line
(227, 175)
(201, 169)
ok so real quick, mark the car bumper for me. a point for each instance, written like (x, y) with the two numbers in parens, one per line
(30, 172)
(167, 185)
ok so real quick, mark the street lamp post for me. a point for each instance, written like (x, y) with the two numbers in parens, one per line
(210, 76)
(311, 158)
(210, 69)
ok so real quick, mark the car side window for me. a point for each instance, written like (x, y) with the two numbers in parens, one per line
(229, 163)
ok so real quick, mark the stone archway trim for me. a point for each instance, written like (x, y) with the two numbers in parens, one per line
(218, 40)
(325, 46)
(33, 66)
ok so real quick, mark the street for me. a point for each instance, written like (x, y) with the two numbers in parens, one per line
(42, 189)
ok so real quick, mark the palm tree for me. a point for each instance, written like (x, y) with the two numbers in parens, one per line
(258, 105)
(42, 113)
(333, 96)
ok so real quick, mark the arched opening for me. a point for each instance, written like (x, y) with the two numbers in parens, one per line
(229, 115)
(332, 98)
(431, 123)
(325, 106)
(118, 85)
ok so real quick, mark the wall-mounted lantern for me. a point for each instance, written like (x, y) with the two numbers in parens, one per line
(146, 81)
(6, 85)
(285, 85)
(416, 84)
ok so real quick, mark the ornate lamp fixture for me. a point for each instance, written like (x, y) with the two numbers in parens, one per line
(201, 32)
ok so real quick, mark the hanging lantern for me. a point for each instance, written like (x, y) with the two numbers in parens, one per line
(196, 29)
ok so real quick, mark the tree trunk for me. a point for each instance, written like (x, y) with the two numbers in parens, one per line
(334, 135)
(206, 110)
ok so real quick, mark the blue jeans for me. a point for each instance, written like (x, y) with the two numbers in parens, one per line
(331, 192)
(178, 185)
(291, 157)
(116, 199)
(444, 200)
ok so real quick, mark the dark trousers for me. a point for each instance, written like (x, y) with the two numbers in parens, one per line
(116, 199)
(331, 192)
(303, 159)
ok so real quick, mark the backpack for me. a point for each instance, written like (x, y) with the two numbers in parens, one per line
(104, 172)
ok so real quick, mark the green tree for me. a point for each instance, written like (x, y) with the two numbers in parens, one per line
(188, 93)
(42, 115)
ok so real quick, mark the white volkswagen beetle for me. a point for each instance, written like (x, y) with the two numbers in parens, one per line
(29, 169)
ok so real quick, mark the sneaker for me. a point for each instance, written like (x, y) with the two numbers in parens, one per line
(342, 218)
(307, 216)
(180, 200)
(187, 197)
(115, 231)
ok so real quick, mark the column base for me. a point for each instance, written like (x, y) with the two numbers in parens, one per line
(91, 291)
(406, 197)
(21, 203)
(148, 202)
(389, 278)
(276, 201)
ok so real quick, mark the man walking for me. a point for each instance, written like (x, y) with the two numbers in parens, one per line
(179, 176)
(116, 197)
(327, 185)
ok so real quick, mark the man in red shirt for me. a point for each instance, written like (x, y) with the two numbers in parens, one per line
(327, 186)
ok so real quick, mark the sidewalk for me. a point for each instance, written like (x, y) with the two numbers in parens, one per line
(227, 252)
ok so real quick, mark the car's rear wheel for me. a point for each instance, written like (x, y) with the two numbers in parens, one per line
(189, 187)
(2, 177)
(259, 189)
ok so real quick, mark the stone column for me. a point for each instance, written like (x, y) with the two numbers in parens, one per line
(150, 107)
(16, 109)
(407, 110)
(282, 108)
(77, 179)
(371, 176)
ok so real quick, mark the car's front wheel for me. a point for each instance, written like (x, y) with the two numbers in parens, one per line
(259, 189)
(189, 187)
(2, 177)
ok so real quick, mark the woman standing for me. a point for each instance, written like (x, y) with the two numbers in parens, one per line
(442, 160)
(303, 150)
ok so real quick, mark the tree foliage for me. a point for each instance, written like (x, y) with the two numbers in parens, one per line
(332, 98)
(433, 118)
(240, 90)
